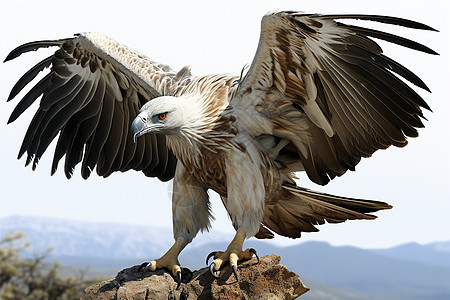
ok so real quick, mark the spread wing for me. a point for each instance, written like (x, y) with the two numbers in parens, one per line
(325, 93)
(93, 91)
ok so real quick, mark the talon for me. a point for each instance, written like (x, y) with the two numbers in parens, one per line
(211, 270)
(254, 252)
(178, 279)
(235, 272)
(212, 254)
(143, 266)
(186, 274)
(151, 266)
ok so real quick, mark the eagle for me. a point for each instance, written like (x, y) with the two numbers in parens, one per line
(318, 96)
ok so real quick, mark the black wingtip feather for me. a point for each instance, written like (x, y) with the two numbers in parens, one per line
(390, 38)
(33, 46)
(29, 159)
(30, 97)
(28, 77)
(384, 19)
(402, 71)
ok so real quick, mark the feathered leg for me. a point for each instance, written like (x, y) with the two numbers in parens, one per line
(190, 213)
(245, 205)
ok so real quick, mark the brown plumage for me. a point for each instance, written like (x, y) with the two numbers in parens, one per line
(318, 96)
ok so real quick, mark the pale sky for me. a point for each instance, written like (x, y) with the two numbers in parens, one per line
(222, 38)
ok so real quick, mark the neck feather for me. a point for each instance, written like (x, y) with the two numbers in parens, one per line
(204, 127)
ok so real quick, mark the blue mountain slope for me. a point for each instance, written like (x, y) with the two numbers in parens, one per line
(358, 270)
(370, 273)
(437, 253)
(404, 272)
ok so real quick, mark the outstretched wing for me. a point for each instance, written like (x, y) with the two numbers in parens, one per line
(93, 91)
(328, 93)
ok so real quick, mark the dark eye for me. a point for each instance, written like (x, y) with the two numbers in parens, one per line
(162, 116)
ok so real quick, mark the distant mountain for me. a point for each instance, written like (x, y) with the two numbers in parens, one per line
(351, 268)
(437, 253)
(410, 271)
(367, 272)
(75, 238)
(84, 239)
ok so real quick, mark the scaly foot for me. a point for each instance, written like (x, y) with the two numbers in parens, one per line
(168, 261)
(233, 254)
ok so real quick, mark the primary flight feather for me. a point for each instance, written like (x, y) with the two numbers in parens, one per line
(318, 96)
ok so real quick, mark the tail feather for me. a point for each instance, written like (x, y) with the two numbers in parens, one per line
(300, 209)
(357, 205)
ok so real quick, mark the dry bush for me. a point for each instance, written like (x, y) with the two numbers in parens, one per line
(30, 277)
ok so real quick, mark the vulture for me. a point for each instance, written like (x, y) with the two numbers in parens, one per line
(318, 96)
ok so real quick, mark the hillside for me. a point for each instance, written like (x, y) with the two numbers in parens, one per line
(408, 271)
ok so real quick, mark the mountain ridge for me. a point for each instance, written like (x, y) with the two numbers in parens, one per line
(436, 253)
(348, 271)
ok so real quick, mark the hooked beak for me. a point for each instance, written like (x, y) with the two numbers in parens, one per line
(140, 126)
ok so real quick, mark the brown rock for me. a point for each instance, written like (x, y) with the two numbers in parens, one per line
(267, 280)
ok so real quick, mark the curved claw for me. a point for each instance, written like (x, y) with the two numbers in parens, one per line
(144, 266)
(178, 279)
(211, 270)
(235, 272)
(212, 254)
(254, 252)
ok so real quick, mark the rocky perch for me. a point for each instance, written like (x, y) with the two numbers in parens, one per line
(266, 280)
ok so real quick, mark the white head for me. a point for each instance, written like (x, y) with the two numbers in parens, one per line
(165, 115)
(189, 121)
